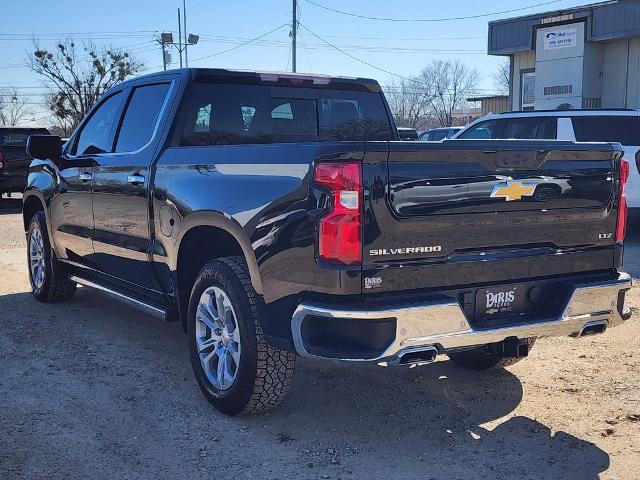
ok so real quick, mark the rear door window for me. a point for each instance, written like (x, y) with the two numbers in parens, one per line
(624, 129)
(530, 128)
(141, 117)
(251, 114)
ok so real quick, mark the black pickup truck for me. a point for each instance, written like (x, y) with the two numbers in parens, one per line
(14, 161)
(277, 215)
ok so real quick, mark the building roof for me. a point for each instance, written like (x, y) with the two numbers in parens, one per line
(486, 97)
(605, 21)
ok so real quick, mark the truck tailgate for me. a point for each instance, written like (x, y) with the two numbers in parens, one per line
(477, 212)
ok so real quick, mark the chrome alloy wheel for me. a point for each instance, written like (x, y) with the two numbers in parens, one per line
(218, 338)
(36, 257)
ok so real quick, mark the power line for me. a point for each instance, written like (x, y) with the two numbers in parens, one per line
(412, 80)
(356, 58)
(242, 44)
(446, 19)
(46, 34)
(373, 48)
(422, 39)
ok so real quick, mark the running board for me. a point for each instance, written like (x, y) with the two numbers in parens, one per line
(145, 307)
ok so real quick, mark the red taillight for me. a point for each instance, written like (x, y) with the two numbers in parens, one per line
(340, 229)
(621, 227)
(1, 161)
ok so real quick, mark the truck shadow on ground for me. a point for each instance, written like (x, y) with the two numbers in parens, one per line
(92, 357)
(433, 417)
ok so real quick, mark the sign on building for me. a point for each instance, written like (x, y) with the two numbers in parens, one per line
(560, 38)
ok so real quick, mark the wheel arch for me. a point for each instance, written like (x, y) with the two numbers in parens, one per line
(31, 204)
(224, 236)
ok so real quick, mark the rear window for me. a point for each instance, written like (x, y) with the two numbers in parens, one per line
(613, 128)
(18, 137)
(529, 128)
(216, 114)
(408, 134)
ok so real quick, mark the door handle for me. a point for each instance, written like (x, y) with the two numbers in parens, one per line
(135, 179)
(85, 176)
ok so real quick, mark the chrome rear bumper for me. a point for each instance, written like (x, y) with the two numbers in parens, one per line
(444, 326)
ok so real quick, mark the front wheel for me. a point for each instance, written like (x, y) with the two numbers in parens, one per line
(48, 282)
(237, 371)
(485, 357)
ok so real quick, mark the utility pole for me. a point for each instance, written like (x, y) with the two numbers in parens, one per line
(165, 39)
(164, 55)
(294, 28)
(180, 37)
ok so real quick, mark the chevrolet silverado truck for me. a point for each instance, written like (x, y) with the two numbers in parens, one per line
(278, 215)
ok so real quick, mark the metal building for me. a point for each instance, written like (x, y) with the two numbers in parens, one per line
(581, 57)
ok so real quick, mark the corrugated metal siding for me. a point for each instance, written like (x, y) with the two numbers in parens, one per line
(619, 20)
(608, 22)
(511, 36)
(494, 105)
(614, 73)
(633, 68)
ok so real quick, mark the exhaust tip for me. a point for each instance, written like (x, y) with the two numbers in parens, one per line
(593, 328)
(417, 356)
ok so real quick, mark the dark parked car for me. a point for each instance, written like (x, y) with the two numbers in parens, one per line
(437, 134)
(14, 161)
(277, 215)
(410, 134)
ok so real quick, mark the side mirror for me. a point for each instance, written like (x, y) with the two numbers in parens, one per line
(45, 147)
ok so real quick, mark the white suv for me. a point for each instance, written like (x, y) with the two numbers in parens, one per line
(620, 125)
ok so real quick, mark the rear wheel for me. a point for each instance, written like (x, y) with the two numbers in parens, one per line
(48, 282)
(485, 357)
(236, 369)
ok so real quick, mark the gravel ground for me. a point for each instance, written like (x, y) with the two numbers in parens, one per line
(94, 389)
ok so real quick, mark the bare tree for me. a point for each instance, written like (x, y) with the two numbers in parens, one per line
(409, 103)
(14, 108)
(502, 76)
(448, 83)
(77, 77)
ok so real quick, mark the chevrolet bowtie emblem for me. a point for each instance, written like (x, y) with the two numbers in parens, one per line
(511, 190)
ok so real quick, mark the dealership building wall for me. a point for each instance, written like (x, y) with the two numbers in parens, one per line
(583, 57)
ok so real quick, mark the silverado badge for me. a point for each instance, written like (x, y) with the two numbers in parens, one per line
(512, 190)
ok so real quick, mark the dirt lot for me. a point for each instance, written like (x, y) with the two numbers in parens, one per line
(94, 389)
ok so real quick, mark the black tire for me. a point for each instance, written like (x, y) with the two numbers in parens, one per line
(55, 286)
(264, 373)
(483, 358)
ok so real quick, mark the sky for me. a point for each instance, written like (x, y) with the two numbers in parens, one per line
(380, 48)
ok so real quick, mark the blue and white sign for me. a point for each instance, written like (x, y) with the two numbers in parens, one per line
(560, 38)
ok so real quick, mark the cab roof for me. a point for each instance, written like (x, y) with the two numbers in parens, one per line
(220, 75)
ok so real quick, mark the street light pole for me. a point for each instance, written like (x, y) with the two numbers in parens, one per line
(186, 44)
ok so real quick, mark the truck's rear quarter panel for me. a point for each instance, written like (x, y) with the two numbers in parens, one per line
(264, 190)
